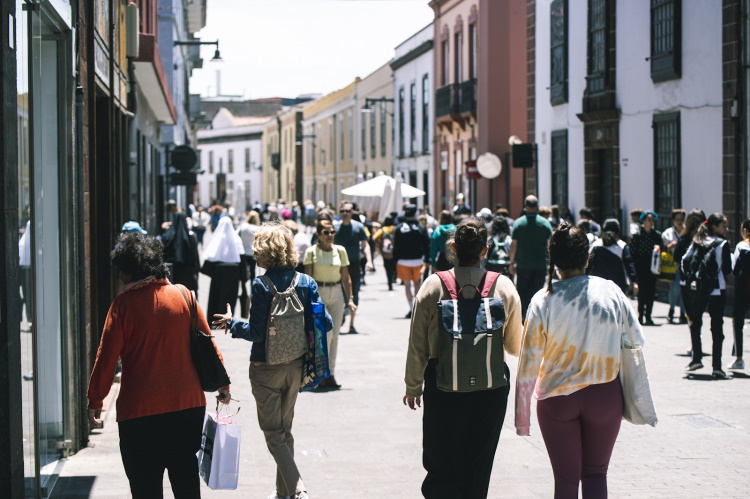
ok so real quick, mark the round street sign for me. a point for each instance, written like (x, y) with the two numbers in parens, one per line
(489, 165)
(184, 158)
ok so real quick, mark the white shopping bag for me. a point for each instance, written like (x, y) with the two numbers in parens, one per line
(219, 457)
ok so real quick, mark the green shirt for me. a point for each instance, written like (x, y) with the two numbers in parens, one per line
(532, 232)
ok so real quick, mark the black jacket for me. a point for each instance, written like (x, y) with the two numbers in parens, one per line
(410, 241)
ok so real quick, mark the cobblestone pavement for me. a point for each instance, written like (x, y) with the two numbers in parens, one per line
(361, 442)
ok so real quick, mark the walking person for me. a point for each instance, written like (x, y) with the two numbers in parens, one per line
(528, 251)
(609, 258)
(161, 405)
(384, 242)
(642, 247)
(181, 251)
(328, 264)
(570, 359)
(201, 220)
(741, 271)
(670, 238)
(274, 386)
(498, 256)
(460, 430)
(709, 239)
(352, 235)
(411, 248)
(439, 239)
(693, 220)
(222, 264)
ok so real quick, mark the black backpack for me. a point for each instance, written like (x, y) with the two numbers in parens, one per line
(498, 258)
(701, 270)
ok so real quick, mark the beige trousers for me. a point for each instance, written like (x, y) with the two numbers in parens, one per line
(275, 389)
(333, 297)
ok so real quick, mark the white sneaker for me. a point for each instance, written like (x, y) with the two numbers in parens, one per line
(301, 495)
(738, 364)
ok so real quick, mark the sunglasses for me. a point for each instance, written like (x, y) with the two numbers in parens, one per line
(328, 232)
(345, 211)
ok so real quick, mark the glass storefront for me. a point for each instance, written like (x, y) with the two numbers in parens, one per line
(43, 135)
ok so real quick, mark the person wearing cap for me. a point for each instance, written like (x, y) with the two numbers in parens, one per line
(461, 208)
(642, 246)
(486, 215)
(411, 250)
(132, 226)
(528, 251)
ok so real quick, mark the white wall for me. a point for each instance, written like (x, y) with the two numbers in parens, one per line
(697, 95)
(221, 151)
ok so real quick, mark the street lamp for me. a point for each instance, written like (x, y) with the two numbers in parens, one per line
(216, 57)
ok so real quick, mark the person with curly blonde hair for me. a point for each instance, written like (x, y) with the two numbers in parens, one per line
(275, 386)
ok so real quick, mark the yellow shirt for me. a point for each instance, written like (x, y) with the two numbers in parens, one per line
(326, 264)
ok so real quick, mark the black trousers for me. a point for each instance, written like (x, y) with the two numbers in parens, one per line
(151, 444)
(741, 306)
(390, 271)
(715, 305)
(646, 293)
(460, 433)
(225, 286)
(528, 282)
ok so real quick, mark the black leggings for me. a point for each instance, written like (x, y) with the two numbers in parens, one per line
(646, 294)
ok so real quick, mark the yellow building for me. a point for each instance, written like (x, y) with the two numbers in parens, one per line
(271, 165)
(328, 143)
(282, 156)
(375, 134)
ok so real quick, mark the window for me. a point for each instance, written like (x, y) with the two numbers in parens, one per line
(401, 138)
(560, 167)
(667, 182)
(364, 137)
(372, 134)
(342, 144)
(666, 39)
(425, 114)
(247, 193)
(247, 160)
(210, 161)
(382, 128)
(413, 118)
(444, 63)
(459, 43)
(331, 145)
(473, 51)
(230, 161)
(350, 124)
(558, 88)
(211, 192)
(230, 191)
(598, 46)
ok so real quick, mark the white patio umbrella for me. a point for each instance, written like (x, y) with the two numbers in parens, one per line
(375, 187)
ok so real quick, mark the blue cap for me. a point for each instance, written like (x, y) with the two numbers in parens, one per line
(132, 227)
(648, 212)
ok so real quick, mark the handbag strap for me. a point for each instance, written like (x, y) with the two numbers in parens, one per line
(191, 308)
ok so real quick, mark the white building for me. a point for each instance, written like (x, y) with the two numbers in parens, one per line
(231, 146)
(628, 105)
(413, 69)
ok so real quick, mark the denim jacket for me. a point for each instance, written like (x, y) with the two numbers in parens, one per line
(255, 329)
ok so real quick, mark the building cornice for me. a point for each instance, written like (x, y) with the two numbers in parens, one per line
(410, 56)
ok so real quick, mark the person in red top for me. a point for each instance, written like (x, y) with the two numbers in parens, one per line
(161, 406)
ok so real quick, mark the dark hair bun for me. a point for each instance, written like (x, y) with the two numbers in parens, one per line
(471, 237)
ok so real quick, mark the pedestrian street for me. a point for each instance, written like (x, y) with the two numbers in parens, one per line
(362, 442)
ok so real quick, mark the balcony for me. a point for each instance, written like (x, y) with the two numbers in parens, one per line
(456, 103)
(445, 101)
(467, 98)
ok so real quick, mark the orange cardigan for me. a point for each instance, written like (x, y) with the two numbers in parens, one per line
(148, 328)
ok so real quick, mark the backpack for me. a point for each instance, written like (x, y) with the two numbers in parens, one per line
(468, 358)
(286, 339)
(498, 258)
(387, 247)
(701, 270)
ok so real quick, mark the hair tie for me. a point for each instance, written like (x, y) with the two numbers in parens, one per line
(705, 222)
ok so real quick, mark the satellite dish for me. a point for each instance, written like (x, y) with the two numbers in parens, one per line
(489, 165)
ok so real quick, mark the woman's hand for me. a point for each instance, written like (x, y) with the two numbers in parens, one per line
(222, 320)
(95, 416)
(224, 396)
(351, 305)
(413, 402)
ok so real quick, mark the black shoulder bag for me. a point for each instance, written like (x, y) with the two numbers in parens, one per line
(209, 367)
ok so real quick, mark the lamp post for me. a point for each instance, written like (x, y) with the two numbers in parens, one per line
(216, 57)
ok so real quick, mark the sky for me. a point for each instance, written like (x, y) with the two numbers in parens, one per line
(287, 48)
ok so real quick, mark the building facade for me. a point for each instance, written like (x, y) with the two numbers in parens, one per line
(375, 121)
(414, 111)
(480, 99)
(231, 161)
(328, 151)
(636, 106)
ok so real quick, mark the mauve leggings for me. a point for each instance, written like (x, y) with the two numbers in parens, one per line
(579, 431)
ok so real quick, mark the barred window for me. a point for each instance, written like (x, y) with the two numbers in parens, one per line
(364, 137)
(401, 131)
(559, 52)
(382, 128)
(230, 161)
(425, 114)
(560, 167)
(372, 134)
(210, 161)
(598, 46)
(247, 160)
(666, 39)
(413, 118)
(667, 168)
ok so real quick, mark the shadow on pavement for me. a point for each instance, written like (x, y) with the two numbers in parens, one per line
(73, 487)
(703, 377)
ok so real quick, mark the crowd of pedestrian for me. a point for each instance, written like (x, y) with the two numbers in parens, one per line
(564, 288)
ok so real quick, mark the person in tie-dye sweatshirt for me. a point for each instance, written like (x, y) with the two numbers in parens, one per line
(570, 359)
